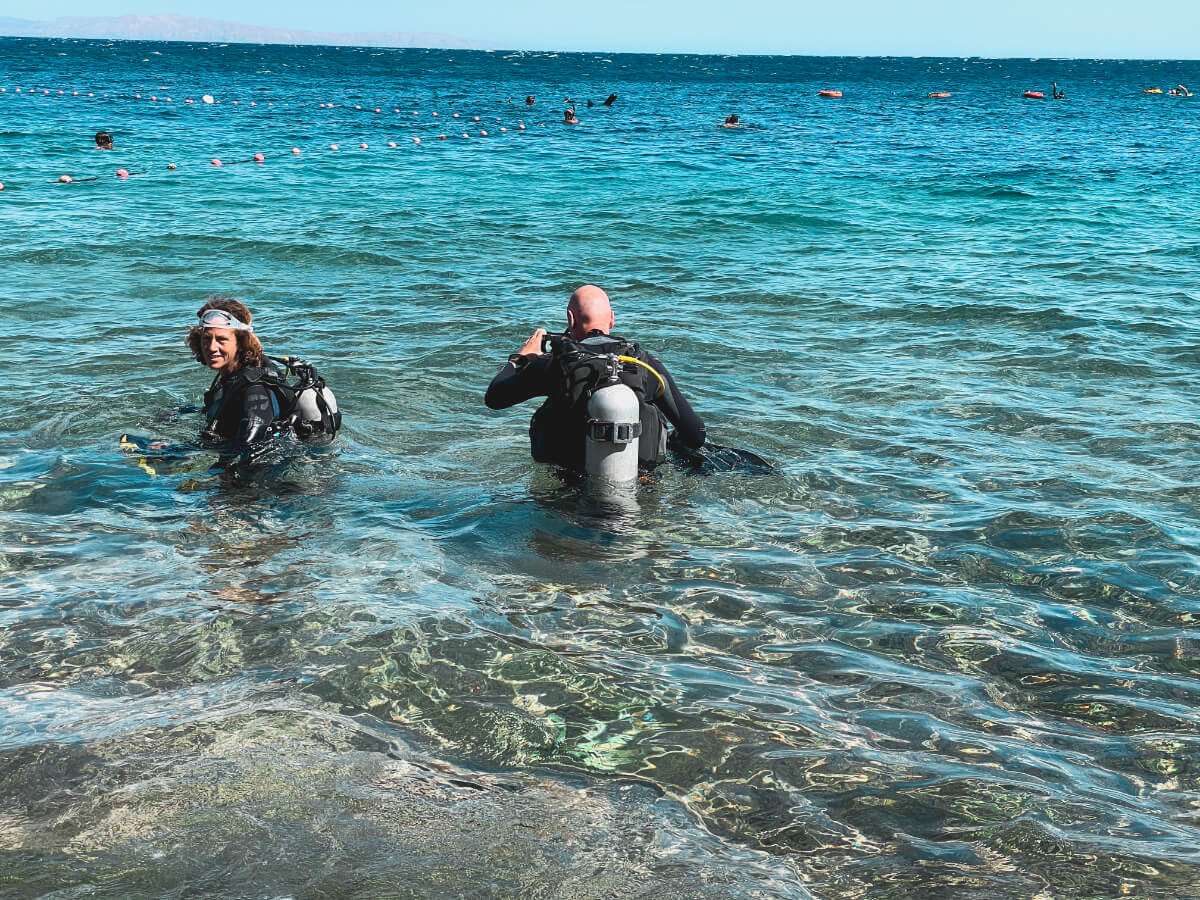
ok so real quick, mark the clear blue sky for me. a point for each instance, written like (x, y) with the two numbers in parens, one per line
(1043, 28)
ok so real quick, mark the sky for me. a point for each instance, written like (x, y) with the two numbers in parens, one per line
(1020, 28)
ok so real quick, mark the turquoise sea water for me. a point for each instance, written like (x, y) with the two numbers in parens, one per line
(950, 649)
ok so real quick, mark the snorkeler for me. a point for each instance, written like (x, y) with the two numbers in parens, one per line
(249, 402)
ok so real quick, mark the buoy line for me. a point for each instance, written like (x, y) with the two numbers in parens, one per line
(260, 157)
(426, 120)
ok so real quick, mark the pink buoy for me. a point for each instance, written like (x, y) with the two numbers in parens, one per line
(216, 162)
(482, 133)
(358, 107)
(456, 115)
(466, 135)
(90, 94)
(235, 103)
(295, 151)
(391, 143)
(396, 111)
(434, 114)
(74, 93)
(333, 146)
(416, 140)
(270, 104)
(477, 118)
(377, 109)
(1, 185)
(520, 127)
(122, 173)
(64, 179)
(44, 91)
(362, 146)
(258, 157)
(137, 96)
(60, 93)
(502, 128)
(189, 100)
(441, 137)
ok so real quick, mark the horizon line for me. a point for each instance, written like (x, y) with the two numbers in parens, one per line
(557, 51)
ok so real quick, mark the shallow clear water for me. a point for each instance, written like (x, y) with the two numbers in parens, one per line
(949, 649)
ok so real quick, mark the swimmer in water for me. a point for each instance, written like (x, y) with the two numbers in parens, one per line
(732, 121)
(104, 140)
(610, 100)
(569, 117)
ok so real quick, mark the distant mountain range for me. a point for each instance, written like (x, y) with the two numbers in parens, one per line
(186, 28)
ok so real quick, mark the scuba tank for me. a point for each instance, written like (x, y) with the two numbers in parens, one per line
(613, 428)
(313, 410)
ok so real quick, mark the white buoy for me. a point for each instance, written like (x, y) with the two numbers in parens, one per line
(208, 98)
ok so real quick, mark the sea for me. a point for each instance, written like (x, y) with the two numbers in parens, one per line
(946, 646)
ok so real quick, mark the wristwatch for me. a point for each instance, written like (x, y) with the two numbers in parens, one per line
(518, 360)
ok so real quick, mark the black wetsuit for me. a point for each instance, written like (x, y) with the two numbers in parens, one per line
(241, 410)
(557, 432)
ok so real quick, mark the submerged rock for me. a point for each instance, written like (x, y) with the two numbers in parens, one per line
(287, 805)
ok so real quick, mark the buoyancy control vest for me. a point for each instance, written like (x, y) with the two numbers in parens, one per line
(307, 407)
(558, 430)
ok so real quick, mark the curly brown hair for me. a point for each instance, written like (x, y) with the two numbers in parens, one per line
(250, 351)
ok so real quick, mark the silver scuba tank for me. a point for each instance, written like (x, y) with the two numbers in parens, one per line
(307, 409)
(614, 426)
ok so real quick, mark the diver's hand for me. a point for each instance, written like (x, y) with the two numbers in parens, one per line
(533, 346)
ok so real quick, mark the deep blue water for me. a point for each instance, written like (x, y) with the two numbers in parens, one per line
(949, 649)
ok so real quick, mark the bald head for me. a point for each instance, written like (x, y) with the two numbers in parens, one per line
(588, 310)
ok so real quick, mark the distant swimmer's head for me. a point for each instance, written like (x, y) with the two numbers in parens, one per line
(589, 310)
(529, 100)
(224, 340)
(732, 120)
(104, 140)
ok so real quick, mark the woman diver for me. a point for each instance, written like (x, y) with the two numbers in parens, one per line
(249, 401)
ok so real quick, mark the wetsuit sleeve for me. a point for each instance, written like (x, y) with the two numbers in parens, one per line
(512, 385)
(688, 426)
(258, 412)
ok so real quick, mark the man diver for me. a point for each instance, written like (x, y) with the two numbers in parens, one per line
(249, 401)
(557, 432)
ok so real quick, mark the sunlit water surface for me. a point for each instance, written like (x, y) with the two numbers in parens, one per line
(948, 649)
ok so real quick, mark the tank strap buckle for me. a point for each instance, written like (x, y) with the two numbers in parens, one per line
(614, 432)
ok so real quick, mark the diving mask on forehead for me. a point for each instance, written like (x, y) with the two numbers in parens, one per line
(218, 318)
